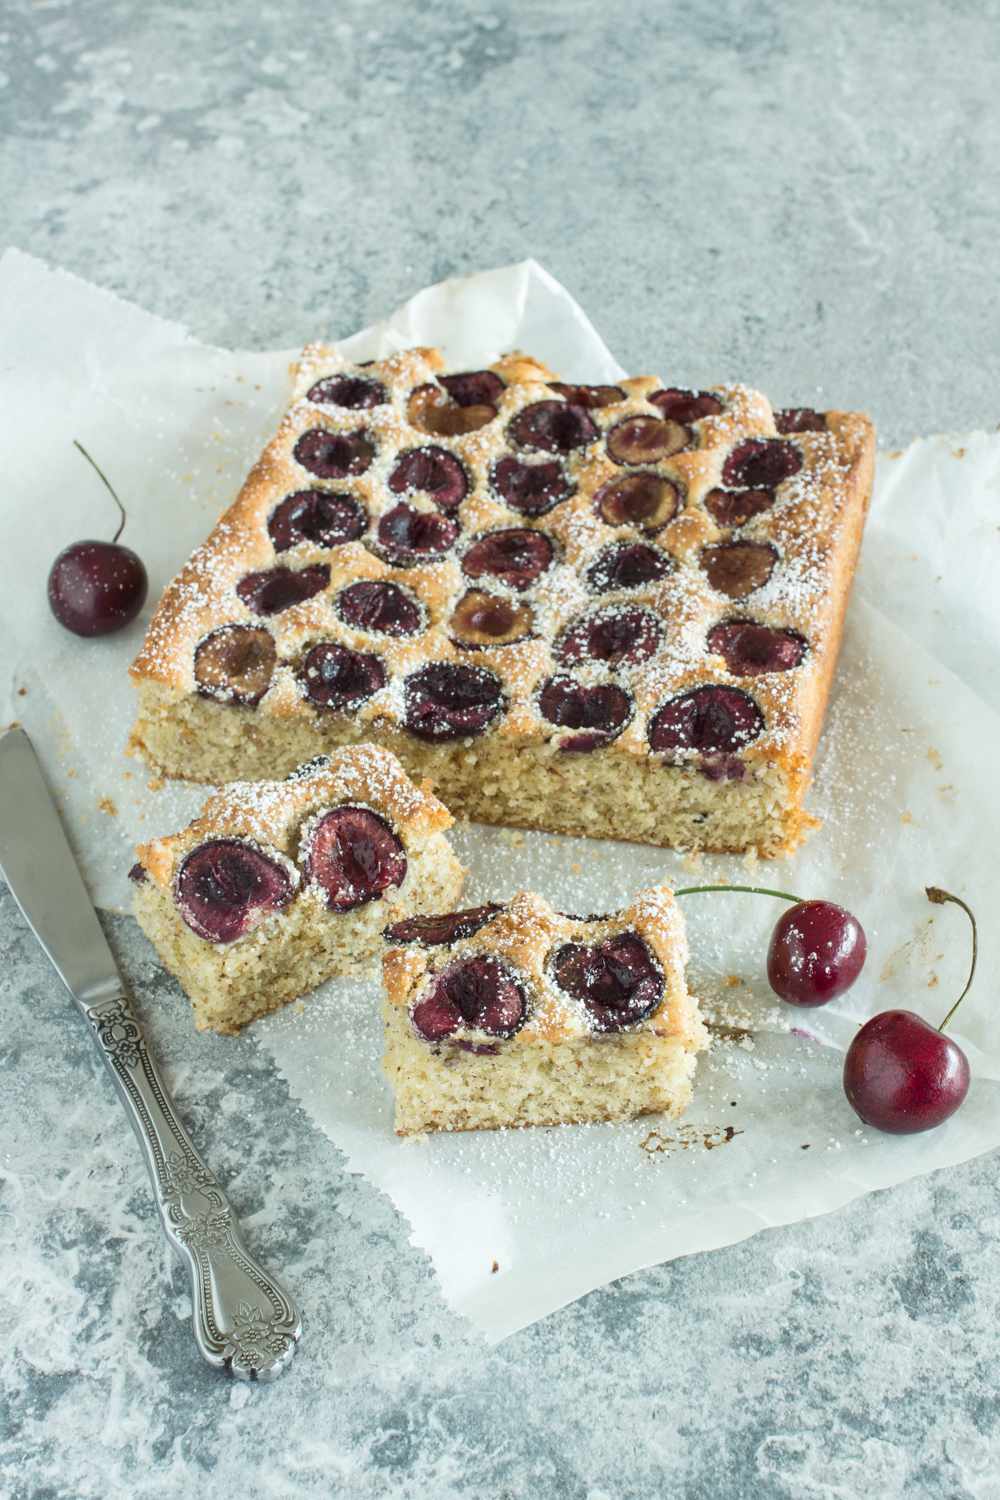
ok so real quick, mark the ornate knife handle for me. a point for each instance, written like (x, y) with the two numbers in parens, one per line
(243, 1318)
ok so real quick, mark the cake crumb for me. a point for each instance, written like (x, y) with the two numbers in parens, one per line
(104, 804)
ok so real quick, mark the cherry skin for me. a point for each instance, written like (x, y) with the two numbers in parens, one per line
(97, 587)
(902, 1075)
(817, 951)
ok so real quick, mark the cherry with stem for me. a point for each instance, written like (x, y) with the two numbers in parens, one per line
(97, 587)
(901, 1074)
(817, 949)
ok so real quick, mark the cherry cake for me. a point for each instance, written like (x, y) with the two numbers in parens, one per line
(608, 610)
(518, 1015)
(276, 886)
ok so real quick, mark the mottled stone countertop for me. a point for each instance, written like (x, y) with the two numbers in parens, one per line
(801, 196)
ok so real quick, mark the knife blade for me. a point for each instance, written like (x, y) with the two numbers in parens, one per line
(243, 1318)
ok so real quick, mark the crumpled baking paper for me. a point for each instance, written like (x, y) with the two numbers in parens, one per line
(518, 1223)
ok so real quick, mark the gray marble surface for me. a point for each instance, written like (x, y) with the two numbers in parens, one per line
(805, 197)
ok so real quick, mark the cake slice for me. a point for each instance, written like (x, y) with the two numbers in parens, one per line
(517, 1015)
(605, 610)
(277, 886)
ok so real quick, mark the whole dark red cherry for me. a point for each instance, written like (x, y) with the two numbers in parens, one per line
(902, 1075)
(817, 951)
(96, 587)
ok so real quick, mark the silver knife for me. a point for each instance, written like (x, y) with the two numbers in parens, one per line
(243, 1318)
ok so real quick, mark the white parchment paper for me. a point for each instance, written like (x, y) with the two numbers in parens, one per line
(905, 783)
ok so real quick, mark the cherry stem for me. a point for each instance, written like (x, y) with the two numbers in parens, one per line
(108, 484)
(752, 890)
(939, 897)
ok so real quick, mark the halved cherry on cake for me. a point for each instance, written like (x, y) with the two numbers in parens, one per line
(355, 392)
(716, 721)
(620, 637)
(335, 678)
(437, 411)
(799, 419)
(480, 620)
(334, 455)
(517, 558)
(737, 569)
(317, 517)
(447, 927)
(736, 507)
(750, 649)
(235, 665)
(600, 711)
(627, 565)
(444, 701)
(647, 501)
(383, 608)
(224, 888)
(760, 464)
(477, 993)
(270, 592)
(407, 536)
(473, 388)
(618, 982)
(646, 440)
(686, 406)
(434, 471)
(531, 489)
(593, 397)
(552, 427)
(353, 855)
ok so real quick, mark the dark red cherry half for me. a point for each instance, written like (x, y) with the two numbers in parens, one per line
(517, 558)
(799, 419)
(473, 387)
(760, 464)
(334, 455)
(96, 588)
(738, 568)
(221, 884)
(600, 711)
(591, 396)
(448, 927)
(276, 589)
(354, 856)
(235, 665)
(712, 720)
(646, 440)
(736, 507)
(443, 701)
(615, 635)
(552, 427)
(475, 992)
(335, 678)
(619, 982)
(481, 619)
(627, 565)
(314, 516)
(645, 500)
(380, 607)
(749, 649)
(435, 472)
(355, 392)
(686, 406)
(409, 536)
(531, 489)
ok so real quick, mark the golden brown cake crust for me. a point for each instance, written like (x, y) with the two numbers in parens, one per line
(814, 529)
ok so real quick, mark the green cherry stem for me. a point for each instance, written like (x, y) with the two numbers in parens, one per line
(939, 897)
(751, 890)
(108, 484)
